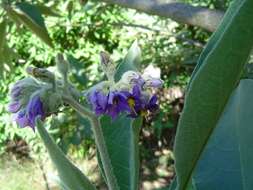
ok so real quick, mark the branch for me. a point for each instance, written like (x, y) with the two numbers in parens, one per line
(181, 12)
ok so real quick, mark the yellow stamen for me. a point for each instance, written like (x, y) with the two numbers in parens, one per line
(131, 102)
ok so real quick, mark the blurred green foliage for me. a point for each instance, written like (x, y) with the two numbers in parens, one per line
(81, 29)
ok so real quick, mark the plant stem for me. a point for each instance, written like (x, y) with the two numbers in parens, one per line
(99, 139)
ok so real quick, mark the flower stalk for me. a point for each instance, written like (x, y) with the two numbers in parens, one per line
(99, 139)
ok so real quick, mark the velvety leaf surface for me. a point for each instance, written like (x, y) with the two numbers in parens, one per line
(71, 177)
(211, 88)
(216, 36)
(122, 136)
(226, 162)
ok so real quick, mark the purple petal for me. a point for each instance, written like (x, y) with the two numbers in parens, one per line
(111, 98)
(21, 119)
(98, 101)
(138, 81)
(136, 91)
(34, 109)
(153, 82)
(153, 100)
(14, 107)
(152, 105)
(102, 100)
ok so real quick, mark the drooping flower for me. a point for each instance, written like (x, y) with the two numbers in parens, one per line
(35, 109)
(27, 116)
(30, 99)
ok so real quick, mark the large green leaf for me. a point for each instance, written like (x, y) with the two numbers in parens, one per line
(210, 89)
(122, 136)
(226, 162)
(71, 177)
(216, 36)
(31, 17)
(130, 62)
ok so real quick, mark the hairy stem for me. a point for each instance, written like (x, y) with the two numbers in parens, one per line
(99, 139)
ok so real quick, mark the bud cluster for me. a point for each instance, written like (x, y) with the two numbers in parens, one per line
(30, 98)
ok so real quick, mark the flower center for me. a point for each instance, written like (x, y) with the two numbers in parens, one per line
(131, 102)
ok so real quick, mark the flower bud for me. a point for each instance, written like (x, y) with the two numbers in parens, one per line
(153, 82)
(41, 74)
(108, 66)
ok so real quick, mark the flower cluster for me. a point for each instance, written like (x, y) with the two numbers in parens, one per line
(131, 94)
(29, 100)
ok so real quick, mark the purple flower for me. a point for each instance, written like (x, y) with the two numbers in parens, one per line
(34, 109)
(21, 119)
(154, 82)
(26, 117)
(134, 100)
(138, 81)
(140, 104)
(152, 104)
(117, 102)
(98, 101)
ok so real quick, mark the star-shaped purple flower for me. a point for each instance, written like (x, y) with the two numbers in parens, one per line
(117, 102)
(140, 104)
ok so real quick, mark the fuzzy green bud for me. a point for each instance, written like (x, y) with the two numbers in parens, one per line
(41, 74)
(108, 66)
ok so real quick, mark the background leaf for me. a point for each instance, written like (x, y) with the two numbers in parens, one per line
(131, 60)
(226, 162)
(48, 11)
(122, 136)
(30, 16)
(2, 34)
(210, 89)
(70, 175)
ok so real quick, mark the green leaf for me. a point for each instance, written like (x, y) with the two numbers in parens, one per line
(210, 89)
(215, 37)
(31, 17)
(122, 136)
(70, 175)
(173, 186)
(131, 61)
(48, 11)
(2, 34)
(226, 162)
(12, 14)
